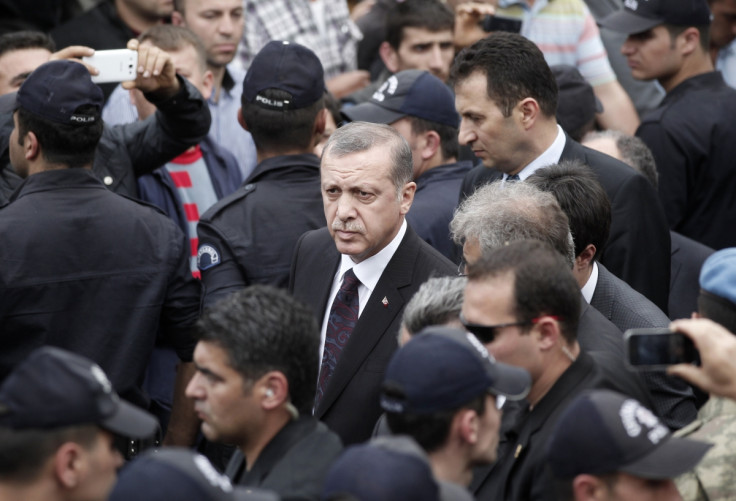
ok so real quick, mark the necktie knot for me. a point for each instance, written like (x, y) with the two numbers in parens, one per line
(513, 179)
(349, 281)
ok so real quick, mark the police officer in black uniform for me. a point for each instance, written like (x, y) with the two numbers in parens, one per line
(249, 236)
(84, 268)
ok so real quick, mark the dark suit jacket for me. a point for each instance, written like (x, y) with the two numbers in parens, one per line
(638, 248)
(519, 473)
(688, 257)
(603, 341)
(350, 404)
(673, 399)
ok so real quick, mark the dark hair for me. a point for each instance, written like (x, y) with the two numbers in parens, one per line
(582, 199)
(543, 283)
(431, 15)
(20, 40)
(431, 430)
(175, 38)
(448, 135)
(24, 452)
(677, 30)
(275, 130)
(262, 329)
(514, 68)
(70, 145)
(718, 309)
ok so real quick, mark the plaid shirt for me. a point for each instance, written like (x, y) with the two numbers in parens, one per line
(292, 20)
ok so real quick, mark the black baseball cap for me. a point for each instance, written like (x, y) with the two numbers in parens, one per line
(413, 93)
(177, 473)
(638, 16)
(55, 90)
(603, 432)
(286, 66)
(54, 388)
(391, 468)
(576, 101)
(443, 368)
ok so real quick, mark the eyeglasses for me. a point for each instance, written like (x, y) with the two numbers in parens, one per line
(487, 333)
(461, 268)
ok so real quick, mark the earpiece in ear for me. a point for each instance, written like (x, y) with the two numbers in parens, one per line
(269, 393)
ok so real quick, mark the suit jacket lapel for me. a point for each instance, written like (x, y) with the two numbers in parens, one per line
(375, 319)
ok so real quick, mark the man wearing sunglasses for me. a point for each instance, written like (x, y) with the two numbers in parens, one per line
(523, 303)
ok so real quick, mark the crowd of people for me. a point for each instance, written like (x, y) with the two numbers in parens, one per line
(366, 250)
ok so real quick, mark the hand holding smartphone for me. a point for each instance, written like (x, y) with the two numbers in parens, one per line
(118, 65)
(657, 349)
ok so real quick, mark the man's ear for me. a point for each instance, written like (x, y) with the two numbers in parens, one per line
(548, 332)
(467, 423)
(69, 464)
(430, 144)
(588, 488)
(689, 40)
(389, 56)
(407, 196)
(241, 120)
(320, 123)
(585, 258)
(528, 111)
(31, 146)
(274, 390)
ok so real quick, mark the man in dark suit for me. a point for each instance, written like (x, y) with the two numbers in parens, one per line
(359, 272)
(507, 98)
(588, 211)
(687, 255)
(522, 302)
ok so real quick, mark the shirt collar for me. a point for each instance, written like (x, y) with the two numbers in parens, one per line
(589, 288)
(370, 270)
(550, 156)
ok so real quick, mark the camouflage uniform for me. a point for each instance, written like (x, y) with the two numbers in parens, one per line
(715, 476)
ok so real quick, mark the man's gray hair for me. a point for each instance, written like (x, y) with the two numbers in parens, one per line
(500, 213)
(436, 302)
(357, 137)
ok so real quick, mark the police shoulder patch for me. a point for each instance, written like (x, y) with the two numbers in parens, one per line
(207, 257)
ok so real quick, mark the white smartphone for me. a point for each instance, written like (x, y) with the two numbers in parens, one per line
(117, 65)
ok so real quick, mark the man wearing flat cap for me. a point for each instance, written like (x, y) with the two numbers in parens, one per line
(691, 133)
(58, 419)
(606, 446)
(248, 237)
(445, 391)
(83, 268)
(422, 109)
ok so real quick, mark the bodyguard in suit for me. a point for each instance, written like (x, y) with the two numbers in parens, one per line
(584, 201)
(359, 272)
(507, 98)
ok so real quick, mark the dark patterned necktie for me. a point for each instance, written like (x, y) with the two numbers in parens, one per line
(340, 324)
(513, 179)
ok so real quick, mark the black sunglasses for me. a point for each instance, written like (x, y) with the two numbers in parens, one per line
(487, 333)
